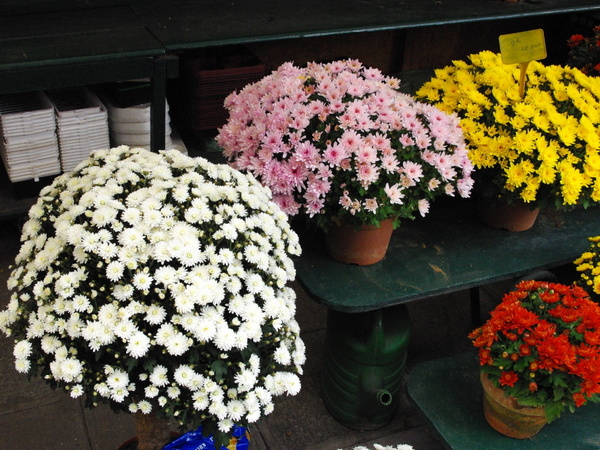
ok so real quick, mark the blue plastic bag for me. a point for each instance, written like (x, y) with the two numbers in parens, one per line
(193, 440)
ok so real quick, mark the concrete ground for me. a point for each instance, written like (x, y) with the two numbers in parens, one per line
(32, 416)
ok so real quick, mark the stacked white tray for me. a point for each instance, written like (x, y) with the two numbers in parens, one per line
(28, 145)
(131, 126)
(82, 123)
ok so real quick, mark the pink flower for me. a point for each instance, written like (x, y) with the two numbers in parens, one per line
(423, 207)
(412, 170)
(367, 174)
(406, 141)
(394, 193)
(366, 154)
(287, 204)
(345, 201)
(371, 204)
(389, 163)
(334, 154)
(351, 140)
(433, 184)
(304, 131)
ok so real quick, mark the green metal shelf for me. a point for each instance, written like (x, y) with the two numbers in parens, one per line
(187, 24)
(50, 44)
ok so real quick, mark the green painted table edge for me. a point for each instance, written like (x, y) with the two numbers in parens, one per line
(448, 250)
(449, 394)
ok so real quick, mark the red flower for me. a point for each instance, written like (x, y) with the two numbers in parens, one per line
(579, 399)
(575, 40)
(556, 352)
(508, 378)
(524, 350)
(550, 297)
(484, 357)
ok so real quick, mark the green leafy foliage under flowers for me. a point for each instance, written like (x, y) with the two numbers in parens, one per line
(542, 346)
(158, 282)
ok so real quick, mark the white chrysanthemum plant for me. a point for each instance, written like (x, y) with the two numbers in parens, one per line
(158, 283)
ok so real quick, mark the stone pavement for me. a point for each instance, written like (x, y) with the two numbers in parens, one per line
(32, 416)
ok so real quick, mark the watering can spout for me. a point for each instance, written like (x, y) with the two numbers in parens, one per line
(384, 397)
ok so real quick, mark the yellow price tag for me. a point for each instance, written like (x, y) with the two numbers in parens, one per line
(522, 48)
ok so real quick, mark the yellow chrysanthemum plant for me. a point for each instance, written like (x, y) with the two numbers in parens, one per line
(542, 148)
(588, 266)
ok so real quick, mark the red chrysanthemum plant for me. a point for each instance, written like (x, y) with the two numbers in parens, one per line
(584, 52)
(542, 346)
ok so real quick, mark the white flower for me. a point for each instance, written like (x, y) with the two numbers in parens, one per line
(50, 344)
(80, 303)
(164, 333)
(142, 281)
(108, 315)
(22, 349)
(70, 369)
(132, 216)
(76, 391)
(225, 425)
(125, 329)
(151, 391)
(201, 401)
(177, 344)
(224, 338)
(145, 406)
(218, 409)
(245, 380)
(131, 237)
(114, 270)
(159, 376)
(166, 275)
(184, 375)
(282, 355)
(138, 345)
(22, 365)
(155, 255)
(117, 379)
(235, 410)
(173, 392)
(204, 329)
(123, 292)
(155, 314)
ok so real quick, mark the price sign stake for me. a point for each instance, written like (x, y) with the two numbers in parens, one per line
(522, 48)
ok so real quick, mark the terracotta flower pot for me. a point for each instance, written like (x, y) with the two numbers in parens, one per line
(506, 416)
(500, 215)
(364, 246)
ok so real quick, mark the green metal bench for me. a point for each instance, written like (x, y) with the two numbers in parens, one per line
(447, 251)
(449, 394)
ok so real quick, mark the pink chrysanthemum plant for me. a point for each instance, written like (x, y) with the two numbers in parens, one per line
(339, 141)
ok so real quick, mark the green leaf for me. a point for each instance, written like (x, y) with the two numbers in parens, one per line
(553, 410)
(219, 367)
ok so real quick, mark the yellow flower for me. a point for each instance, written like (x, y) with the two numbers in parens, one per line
(500, 115)
(529, 193)
(588, 132)
(518, 122)
(525, 140)
(517, 174)
(592, 163)
(567, 130)
(572, 182)
(547, 173)
(595, 196)
(550, 137)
